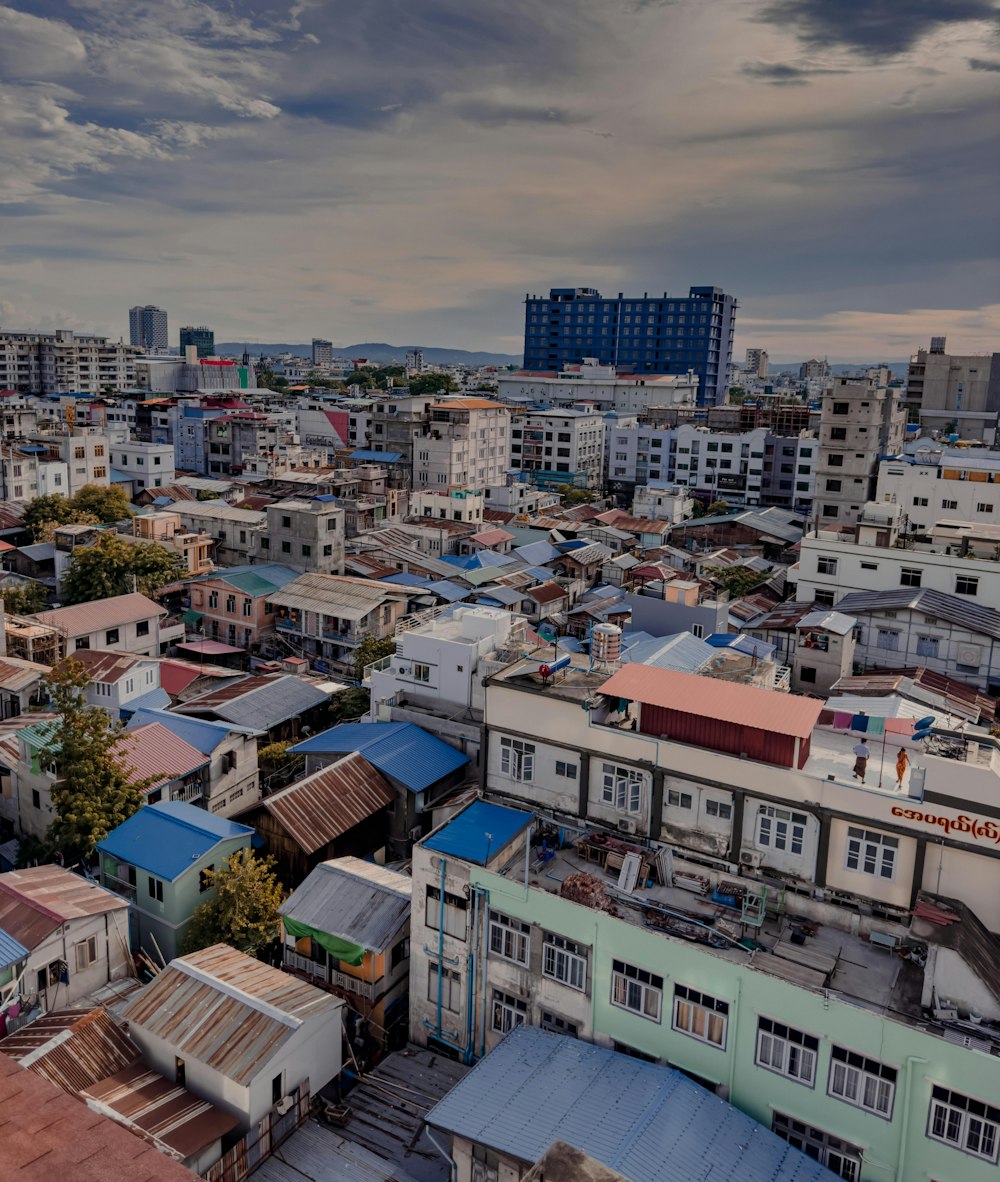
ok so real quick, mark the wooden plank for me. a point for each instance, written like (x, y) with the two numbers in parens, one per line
(629, 876)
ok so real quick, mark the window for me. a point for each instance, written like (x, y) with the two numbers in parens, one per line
(701, 1016)
(205, 879)
(787, 1051)
(558, 1025)
(563, 961)
(966, 584)
(276, 1089)
(142, 628)
(949, 504)
(830, 510)
(833, 486)
(155, 888)
(180, 1072)
(509, 938)
(421, 672)
(720, 809)
(920, 502)
(807, 673)
(869, 566)
(508, 1012)
(621, 787)
(36, 798)
(636, 990)
(983, 507)
(286, 523)
(910, 576)
(927, 646)
(840, 1157)
(455, 907)
(836, 459)
(517, 759)
(698, 630)
(327, 551)
(870, 852)
(230, 604)
(568, 770)
(841, 408)
(485, 1164)
(888, 639)
(86, 953)
(111, 636)
(450, 983)
(679, 800)
(286, 547)
(964, 1123)
(400, 952)
(826, 566)
(781, 829)
(865, 1083)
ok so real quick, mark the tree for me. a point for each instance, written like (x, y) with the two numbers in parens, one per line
(717, 508)
(574, 496)
(116, 567)
(277, 766)
(105, 504)
(348, 706)
(24, 599)
(44, 512)
(737, 580)
(433, 383)
(92, 794)
(371, 649)
(244, 911)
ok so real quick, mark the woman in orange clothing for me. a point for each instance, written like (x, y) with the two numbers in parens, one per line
(902, 763)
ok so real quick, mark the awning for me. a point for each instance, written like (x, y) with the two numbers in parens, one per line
(191, 617)
(340, 949)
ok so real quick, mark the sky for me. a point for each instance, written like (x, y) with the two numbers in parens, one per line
(407, 170)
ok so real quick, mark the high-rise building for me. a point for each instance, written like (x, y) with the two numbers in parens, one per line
(813, 370)
(414, 361)
(147, 326)
(952, 392)
(756, 362)
(322, 351)
(64, 362)
(662, 334)
(202, 337)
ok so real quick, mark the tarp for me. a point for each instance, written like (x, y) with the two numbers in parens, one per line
(342, 950)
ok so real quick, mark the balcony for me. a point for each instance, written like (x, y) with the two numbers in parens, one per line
(120, 887)
(376, 667)
(324, 974)
(284, 624)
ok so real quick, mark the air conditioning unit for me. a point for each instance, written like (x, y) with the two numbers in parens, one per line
(751, 858)
(626, 825)
(284, 1104)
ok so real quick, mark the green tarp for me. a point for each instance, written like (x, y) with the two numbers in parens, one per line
(340, 949)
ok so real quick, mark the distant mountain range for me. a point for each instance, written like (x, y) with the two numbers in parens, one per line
(377, 351)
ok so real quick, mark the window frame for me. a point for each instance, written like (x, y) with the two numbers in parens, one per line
(780, 1036)
(512, 1012)
(699, 1009)
(880, 849)
(989, 1117)
(509, 939)
(517, 759)
(846, 1063)
(631, 978)
(621, 787)
(558, 952)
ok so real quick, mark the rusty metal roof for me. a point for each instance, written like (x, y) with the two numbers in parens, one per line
(35, 901)
(101, 613)
(222, 1008)
(17, 673)
(105, 666)
(152, 752)
(329, 802)
(72, 1048)
(356, 900)
(173, 1117)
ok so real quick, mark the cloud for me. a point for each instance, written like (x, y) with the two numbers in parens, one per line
(980, 63)
(783, 73)
(33, 47)
(875, 28)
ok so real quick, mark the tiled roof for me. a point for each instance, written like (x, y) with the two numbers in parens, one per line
(101, 613)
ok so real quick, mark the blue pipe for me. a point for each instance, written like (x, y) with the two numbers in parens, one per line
(440, 952)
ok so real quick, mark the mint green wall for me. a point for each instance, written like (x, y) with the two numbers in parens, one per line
(894, 1151)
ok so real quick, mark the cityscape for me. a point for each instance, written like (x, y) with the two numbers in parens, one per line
(500, 593)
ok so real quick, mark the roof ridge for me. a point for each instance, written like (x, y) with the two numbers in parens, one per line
(234, 991)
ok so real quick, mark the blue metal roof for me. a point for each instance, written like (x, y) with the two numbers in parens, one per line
(381, 457)
(406, 579)
(448, 590)
(535, 1088)
(742, 643)
(479, 832)
(537, 552)
(165, 838)
(203, 736)
(11, 950)
(401, 750)
(155, 699)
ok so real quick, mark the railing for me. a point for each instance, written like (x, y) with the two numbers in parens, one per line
(189, 792)
(287, 625)
(329, 976)
(782, 678)
(375, 667)
(120, 887)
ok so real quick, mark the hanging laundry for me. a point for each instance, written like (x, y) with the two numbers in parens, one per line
(841, 720)
(860, 723)
(876, 726)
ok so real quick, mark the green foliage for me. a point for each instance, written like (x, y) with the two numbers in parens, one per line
(348, 706)
(737, 580)
(371, 649)
(717, 509)
(205, 494)
(92, 794)
(104, 504)
(43, 512)
(244, 911)
(116, 567)
(24, 599)
(574, 496)
(433, 383)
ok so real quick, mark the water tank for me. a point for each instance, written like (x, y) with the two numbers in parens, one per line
(606, 643)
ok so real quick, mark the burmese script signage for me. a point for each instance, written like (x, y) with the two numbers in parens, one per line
(973, 826)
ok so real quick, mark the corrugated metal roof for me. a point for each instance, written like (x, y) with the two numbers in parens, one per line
(152, 752)
(106, 666)
(536, 1088)
(201, 733)
(358, 901)
(166, 837)
(448, 591)
(478, 832)
(741, 705)
(682, 651)
(956, 609)
(329, 802)
(261, 701)
(258, 580)
(336, 595)
(17, 674)
(101, 613)
(72, 1048)
(11, 950)
(402, 751)
(222, 1008)
(547, 593)
(317, 1154)
(56, 893)
(147, 1102)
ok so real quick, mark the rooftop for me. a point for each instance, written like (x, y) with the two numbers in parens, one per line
(260, 701)
(101, 613)
(166, 837)
(479, 832)
(335, 595)
(536, 1087)
(151, 752)
(402, 751)
(358, 901)
(72, 1048)
(38, 899)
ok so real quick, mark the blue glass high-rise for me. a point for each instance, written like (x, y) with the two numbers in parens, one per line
(663, 334)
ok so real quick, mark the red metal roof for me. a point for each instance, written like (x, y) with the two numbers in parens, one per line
(742, 705)
(55, 893)
(152, 752)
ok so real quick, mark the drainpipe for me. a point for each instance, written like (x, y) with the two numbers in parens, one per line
(470, 992)
(484, 959)
(452, 1164)
(904, 1131)
(440, 997)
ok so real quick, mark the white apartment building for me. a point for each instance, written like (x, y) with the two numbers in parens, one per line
(932, 483)
(859, 423)
(64, 362)
(453, 504)
(598, 384)
(148, 465)
(26, 473)
(555, 447)
(661, 501)
(520, 499)
(467, 444)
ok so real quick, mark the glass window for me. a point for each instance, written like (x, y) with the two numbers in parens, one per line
(563, 961)
(508, 1012)
(865, 1083)
(781, 829)
(967, 1124)
(517, 759)
(787, 1051)
(637, 990)
(449, 982)
(839, 1156)
(870, 852)
(621, 787)
(509, 938)
(455, 908)
(700, 1015)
